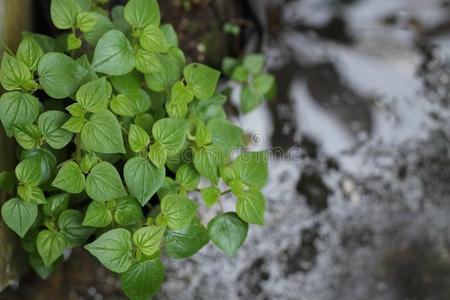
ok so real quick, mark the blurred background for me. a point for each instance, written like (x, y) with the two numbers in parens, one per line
(359, 190)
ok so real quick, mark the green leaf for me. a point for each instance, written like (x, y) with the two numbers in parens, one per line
(187, 241)
(143, 279)
(153, 40)
(47, 44)
(225, 135)
(104, 183)
(14, 74)
(138, 139)
(64, 13)
(123, 106)
(45, 159)
(178, 210)
(56, 204)
(70, 178)
(94, 96)
(27, 135)
(38, 266)
(140, 13)
(128, 211)
(207, 161)
(31, 194)
(210, 195)
(158, 155)
(171, 134)
(250, 99)
(228, 65)
(28, 171)
(113, 54)
(73, 42)
(50, 124)
(251, 206)
(17, 108)
(143, 179)
(251, 168)
(102, 134)
(59, 75)
(50, 246)
(181, 94)
(118, 17)
(240, 74)
(170, 34)
(254, 63)
(102, 26)
(208, 109)
(187, 177)
(75, 234)
(163, 74)
(19, 215)
(113, 249)
(228, 232)
(86, 21)
(263, 83)
(201, 79)
(74, 124)
(97, 215)
(148, 239)
(29, 52)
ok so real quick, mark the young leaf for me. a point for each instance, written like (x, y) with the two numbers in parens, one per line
(263, 83)
(176, 110)
(59, 75)
(181, 94)
(113, 249)
(19, 215)
(50, 246)
(143, 179)
(73, 42)
(153, 40)
(56, 204)
(31, 194)
(27, 135)
(158, 155)
(140, 13)
(143, 279)
(29, 52)
(29, 171)
(63, 13)
(17, 108)
(104, 183)
(178, 210)
(210, 195)
(86, 21)
(201, 79)
(148, 239)
(128, 211)
(254, 63)
(251, 168)
(113, 54)
(74, 124)
(97, 215)
(70, 178)
(240, 74)
(138, 139)
(251, 206)
(228, 232)
(163, 74)
(94, 96)
(102, 134)
(14, 74)
(50, 124)
(102, 25)
(147, 62)
(171, 134)
(187, 177)
(75, 234)
(187, 241)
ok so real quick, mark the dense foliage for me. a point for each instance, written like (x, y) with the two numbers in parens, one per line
(116, 133)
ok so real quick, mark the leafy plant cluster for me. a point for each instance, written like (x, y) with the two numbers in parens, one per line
(256, 84)
(116, 134)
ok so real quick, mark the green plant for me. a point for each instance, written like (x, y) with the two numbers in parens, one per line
(256, 84)
(119, 140)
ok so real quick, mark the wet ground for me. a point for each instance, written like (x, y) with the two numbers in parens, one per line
(358, 199)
